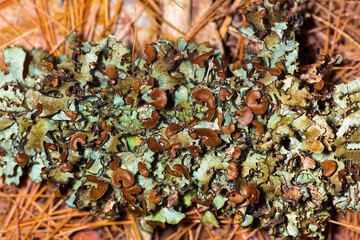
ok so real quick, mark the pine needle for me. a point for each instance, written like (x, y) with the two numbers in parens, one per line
(349, 226)
(338, 30)
(213, 9)
(16, 31)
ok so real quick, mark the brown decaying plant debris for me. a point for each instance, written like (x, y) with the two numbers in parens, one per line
(34, 210)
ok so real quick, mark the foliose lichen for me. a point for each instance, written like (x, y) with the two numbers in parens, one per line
(253, 139)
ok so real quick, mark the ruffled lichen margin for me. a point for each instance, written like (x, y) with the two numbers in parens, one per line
(254, 139)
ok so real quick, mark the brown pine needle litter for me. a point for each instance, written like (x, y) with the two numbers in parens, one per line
(34, 211)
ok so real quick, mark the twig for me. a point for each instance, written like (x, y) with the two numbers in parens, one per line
(46, 14)
(357, 228)
(213, 9)
(158, 17)
(339, 30)
(233, 232)
(16, 31)
(337, 26)
(59, 226)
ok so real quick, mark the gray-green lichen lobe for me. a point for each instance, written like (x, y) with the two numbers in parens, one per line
(178, 128)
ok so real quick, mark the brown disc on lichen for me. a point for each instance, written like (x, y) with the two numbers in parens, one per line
(151, 123)
(160, 98)
(177, 57)
(329, 167)
(104, 136)
(2, 152)
(352, 170)
(165, 143)
(66, 167)
(143, 205)
(48, 65)
(118, 91)
(154, 146)
(195, 151)
(111, 71)
(21, 159)
(258, 67)
(150, 52)
(154, 223)
(181, 170)
(172, 149)
(275, 71)
(154, 197)
(221, 75)
(50, 146)
(192, 122)
(233, 171)
(237, 64)
(171, 129)
(123, 175)
(92, 65)
(136, 86)
(69, 91)
(142, 169)
(236, 154)
(129, 101)
(341, 176)
(90, 162)
(77, 138)
(259, 128)
(256, 102)
(220, 118)
(252, 193)
(135, 210)
(206, 202)
(236, 136)
(115, 161)
(149, 82)
(280, 66)
(172, 172)
(202, 95)
(129, 191)
(209, 114)
(63, 156)
(319, 85)
(224, 94)
(105, 127)
(208, 136)
(261, 13)
(71, 115)
(228, 129)
(246, 116)
(39, 109)
(200, 60)
(234, 197)
(98, 191)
